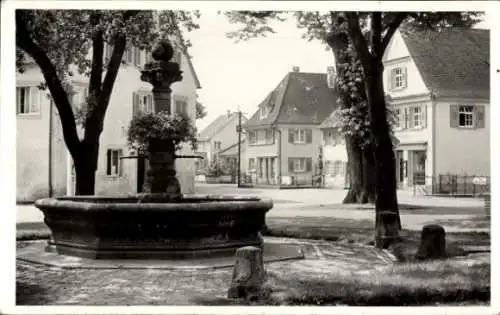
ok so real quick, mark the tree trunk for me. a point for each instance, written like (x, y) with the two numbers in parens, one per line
(362, 174)
(354, 158)
(85, 179)
(86, 166)
(387, 226)
(369, 175)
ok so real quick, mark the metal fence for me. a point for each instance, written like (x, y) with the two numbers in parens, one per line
(451, 184)
(287, 180)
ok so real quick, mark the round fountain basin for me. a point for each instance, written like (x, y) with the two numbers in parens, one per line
(136, 228)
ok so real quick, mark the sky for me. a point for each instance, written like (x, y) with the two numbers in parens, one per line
(240, 75)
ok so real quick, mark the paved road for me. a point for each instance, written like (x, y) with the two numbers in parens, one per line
(456, 214)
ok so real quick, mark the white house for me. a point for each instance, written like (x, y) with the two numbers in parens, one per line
(44, 166)
(438, 84)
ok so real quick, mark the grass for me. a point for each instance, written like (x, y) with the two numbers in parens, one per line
(361, 231)
(430, 283)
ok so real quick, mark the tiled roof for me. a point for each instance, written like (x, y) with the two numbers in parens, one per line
(232, 149)
(331, 122)
(216, 125)
(453, 62)
(300, 98)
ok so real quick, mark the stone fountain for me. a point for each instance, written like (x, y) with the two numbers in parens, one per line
(163, 223)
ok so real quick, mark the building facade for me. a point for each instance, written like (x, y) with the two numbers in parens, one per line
(438, 86)
(283, 136)
(44, 166)
(217, 137)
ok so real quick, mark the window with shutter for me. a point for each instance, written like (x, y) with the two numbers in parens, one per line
(453, 116)
(466, 116)
(308, 164)
(27, 99)
(135, 104)
(290, 165)
(181, 107)
(308, 136)
(480, 116)
(113, 162)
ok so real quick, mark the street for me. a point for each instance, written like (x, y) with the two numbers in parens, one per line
(455, 214)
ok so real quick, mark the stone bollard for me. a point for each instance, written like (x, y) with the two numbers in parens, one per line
(432, 243)
(248, 273)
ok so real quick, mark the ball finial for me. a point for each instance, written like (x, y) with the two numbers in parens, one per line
(163, 51)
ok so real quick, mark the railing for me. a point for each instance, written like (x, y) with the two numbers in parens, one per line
(451, 184)
(287, 180)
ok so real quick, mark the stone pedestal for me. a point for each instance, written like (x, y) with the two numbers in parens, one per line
(432, 243)
(160, 178)
(161, 74)
(248, 273)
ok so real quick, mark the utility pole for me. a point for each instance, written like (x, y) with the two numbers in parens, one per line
(239, 148)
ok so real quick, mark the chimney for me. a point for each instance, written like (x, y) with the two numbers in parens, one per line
(330, 77)
(296, 69)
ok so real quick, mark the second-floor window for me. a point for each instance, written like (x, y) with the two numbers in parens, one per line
(181, 107)
(27, 100)
(300, 136)
(333, 137)
(261, 137)
(397, 118)
(397, 78)
(142, 102)
(466, 116)
(113, 162)
(217, 145)
(416, 116)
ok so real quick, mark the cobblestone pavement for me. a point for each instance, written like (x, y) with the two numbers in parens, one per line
(42, 285)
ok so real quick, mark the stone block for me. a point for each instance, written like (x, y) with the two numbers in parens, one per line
(432, 243)
(248, 273)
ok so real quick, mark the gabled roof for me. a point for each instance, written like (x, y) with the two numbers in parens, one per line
(215, 126)
(300, 98)
(331, 121)
(232, 149)
(454, 62)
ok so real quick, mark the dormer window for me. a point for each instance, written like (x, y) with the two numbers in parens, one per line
(398, 79)
(264, 111)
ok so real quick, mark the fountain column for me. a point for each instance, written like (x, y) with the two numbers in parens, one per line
(162, 73)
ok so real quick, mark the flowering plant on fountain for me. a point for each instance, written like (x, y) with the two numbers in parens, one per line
(146, 127)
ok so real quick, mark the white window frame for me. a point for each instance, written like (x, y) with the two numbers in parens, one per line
(398, 78)
(263, 112)
(468, 115)
(252, 137)
(33, 97)
(114, 170)
(146, 102)
(297, 133)
(184, 109)
(417, 116)
(299, 165)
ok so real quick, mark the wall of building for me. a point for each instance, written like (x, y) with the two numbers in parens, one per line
(331, 154)
(32, 143)
(258, 150)
(307, 150)
(33, 138)
(459, 150)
